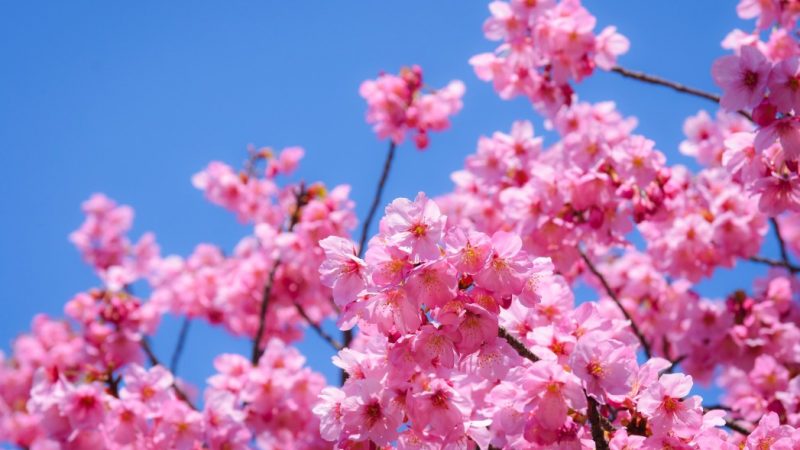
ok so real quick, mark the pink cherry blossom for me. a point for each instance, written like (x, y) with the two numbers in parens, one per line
(743, 78)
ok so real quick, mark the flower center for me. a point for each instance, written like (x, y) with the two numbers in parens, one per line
(750, 79)
(595, 369)
(419, 230)
(372, 413)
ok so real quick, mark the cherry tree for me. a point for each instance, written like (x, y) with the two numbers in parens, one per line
(459, 322)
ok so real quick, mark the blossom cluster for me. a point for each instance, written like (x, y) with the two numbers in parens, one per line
(282, 252)
(434, 364)
(761, 81)
(469, 329)
(545, 45)
(140, 408)
(397, 105)
(588, 188)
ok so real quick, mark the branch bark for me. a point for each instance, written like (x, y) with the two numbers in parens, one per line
(151, 356)
(176, 354)
(316, 327)
(517, 345)
(598, 436)
(300, 200)
(652, 79)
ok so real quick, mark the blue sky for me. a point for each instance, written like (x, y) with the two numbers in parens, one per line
(131, 99)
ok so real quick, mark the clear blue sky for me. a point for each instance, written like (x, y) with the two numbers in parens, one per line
(131, 99)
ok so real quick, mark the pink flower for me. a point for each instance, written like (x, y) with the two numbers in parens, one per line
(370, 413)
(388, 265)
(392, 310)
(432, 284)
(415, 227)
(779, 192)
(439, 407)
(607, 366)
(342, 269)
(468, 251)
(667, 410)
(742, 78)
(151, 386)
(434, 347)
(84, 406)
(507, 271)
(741, 159)
(784, 85)
(787, 131)
(770, 434)
(555, 392)
(329, 410)
(609, 45)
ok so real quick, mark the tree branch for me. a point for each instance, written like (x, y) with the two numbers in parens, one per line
(598, 436)
(774, 263)
(151, 356)
(376, 199)
(652, 79)
(781, 242)
(176, 354)
(300, 200)
(736, 427)
(316, 327)
(613, 296)
(517, 345)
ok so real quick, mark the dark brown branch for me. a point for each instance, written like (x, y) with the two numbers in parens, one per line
(713, 407)
(256, 351)
(781, 242)
(316, 327)
(598, 436)
(113, 383)
(300, 200)
(615, 299)
(736, 427)
(151, 356)
(517, 345)
(376, 199)
(176, 354)
(652, 79)
(674, 363)
(775, 263)
(729, 423)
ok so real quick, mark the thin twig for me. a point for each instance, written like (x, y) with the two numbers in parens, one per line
(316, 327)
(652, 79)
(674, 364)
(736, 427)
(255, 353)
(300, 201)
(376, 199)
(517, 345)
(151, 356)
(781, 242)
(176, 354)
(713, 407)
(615, 299)
(113, 383)
(598, 436)
(775, 263)
(729, 423)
